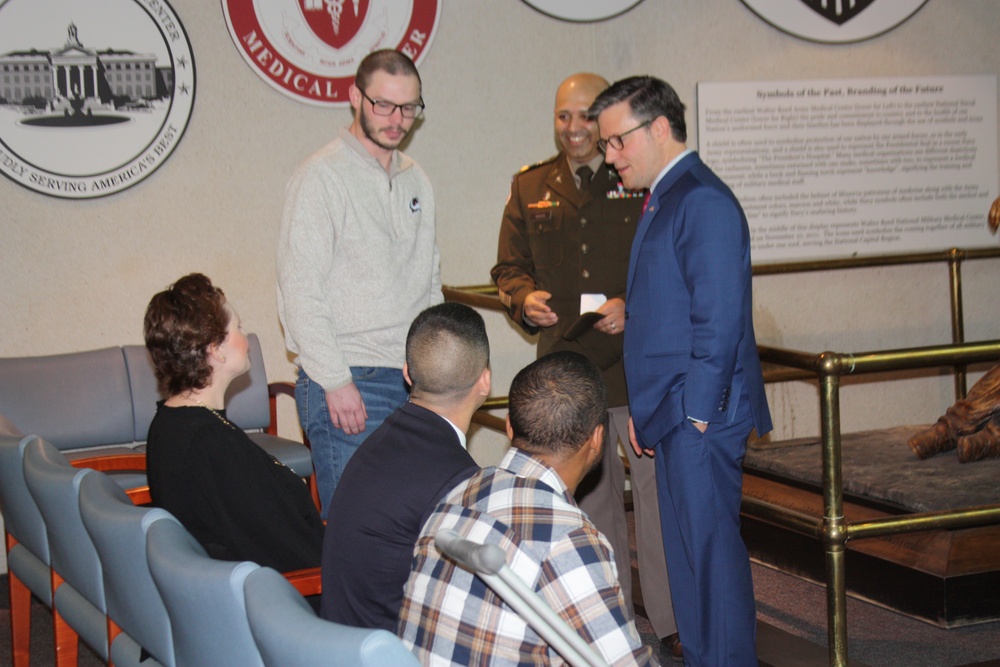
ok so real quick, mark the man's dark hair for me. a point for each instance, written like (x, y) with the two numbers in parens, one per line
(446, 350)
(180, 324)
(648, 98)
(556, 403)
(385, 60)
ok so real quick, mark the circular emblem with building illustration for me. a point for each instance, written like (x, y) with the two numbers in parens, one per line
(94, 94)
(310, 49)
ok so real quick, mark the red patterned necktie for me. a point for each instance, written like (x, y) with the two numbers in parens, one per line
(645, 202)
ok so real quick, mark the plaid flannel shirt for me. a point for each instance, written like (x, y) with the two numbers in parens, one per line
(450, 617)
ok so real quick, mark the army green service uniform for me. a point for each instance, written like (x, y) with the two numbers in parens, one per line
(568, 242)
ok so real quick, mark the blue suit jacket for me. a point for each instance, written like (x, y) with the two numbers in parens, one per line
(689, 340)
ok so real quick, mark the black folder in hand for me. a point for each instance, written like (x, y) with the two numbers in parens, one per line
(582, 323)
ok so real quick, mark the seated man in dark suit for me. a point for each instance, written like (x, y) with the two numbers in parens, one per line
(398, 475)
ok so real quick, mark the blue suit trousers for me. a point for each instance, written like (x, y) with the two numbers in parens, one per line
(699, 481)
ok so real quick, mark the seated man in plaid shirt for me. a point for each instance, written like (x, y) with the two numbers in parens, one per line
(525, 506)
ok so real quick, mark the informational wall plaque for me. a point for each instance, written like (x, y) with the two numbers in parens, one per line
(309, 50)
(94, 94)
(850, 167)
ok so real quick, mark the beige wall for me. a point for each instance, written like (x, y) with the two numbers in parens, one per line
(77, 275)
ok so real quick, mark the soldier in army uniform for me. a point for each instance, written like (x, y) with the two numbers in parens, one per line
(567, 231)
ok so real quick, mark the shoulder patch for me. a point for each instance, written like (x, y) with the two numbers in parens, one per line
(529, 167)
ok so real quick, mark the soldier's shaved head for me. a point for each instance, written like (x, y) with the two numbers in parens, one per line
(576, 133)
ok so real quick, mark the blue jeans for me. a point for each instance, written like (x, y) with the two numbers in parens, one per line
(382, 389)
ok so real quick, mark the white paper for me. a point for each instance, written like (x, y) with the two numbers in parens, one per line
(591, 302)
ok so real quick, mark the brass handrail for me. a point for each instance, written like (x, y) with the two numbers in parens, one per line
(951, 255)
(477, 296)
(834, 530)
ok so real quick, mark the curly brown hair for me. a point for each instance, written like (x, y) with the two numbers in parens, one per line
(180, 324)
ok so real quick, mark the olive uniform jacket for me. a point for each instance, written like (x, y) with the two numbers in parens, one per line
(568, 242)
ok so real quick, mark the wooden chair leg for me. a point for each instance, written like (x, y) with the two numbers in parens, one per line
(67, 642)
(113, 631)
(20, 621)
(314, 491)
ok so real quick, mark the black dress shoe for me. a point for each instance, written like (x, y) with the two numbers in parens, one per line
(673, 645)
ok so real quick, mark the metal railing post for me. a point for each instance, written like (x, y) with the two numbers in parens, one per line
(834, 532)
(957, 317)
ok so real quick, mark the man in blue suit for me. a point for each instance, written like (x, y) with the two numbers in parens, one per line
(694, 378)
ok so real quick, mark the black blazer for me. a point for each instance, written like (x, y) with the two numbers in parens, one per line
(388, 489)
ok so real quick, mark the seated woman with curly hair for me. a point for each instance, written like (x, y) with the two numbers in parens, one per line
(235, 498)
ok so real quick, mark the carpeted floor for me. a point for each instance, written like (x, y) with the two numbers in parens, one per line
(876, 636)
(792, 630)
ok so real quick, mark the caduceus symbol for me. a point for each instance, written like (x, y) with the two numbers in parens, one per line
(335, 8)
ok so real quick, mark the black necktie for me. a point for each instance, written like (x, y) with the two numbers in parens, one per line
(585, 173)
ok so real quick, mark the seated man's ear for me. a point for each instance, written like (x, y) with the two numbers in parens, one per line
(510, 429)
(485, 381)
(596, 442)
(406, 374)
(593, 449)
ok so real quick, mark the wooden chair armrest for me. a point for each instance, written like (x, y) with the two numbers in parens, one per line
(274, 389)
(112, 462)
(307, 581)
(139, 495)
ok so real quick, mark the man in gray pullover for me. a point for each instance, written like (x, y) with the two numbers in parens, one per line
(357, 261)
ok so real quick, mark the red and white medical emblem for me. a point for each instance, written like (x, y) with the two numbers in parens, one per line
(310, 49)
(336, 22)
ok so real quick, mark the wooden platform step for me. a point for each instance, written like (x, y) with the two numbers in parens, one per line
(946, 577)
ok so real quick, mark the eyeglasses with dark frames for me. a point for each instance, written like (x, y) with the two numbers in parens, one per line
(383, 108)
(615, 140)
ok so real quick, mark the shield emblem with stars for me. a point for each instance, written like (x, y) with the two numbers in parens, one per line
(336, 22)
(838, 11)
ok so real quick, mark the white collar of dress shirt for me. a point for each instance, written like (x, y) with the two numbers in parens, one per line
(458, 431)
(669, 166)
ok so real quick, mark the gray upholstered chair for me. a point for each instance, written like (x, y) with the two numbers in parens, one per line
(204, 599)
(289, 634)
(118, 530)
(42, 395)
(27, 546)
(74, 401)
(77, 586)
